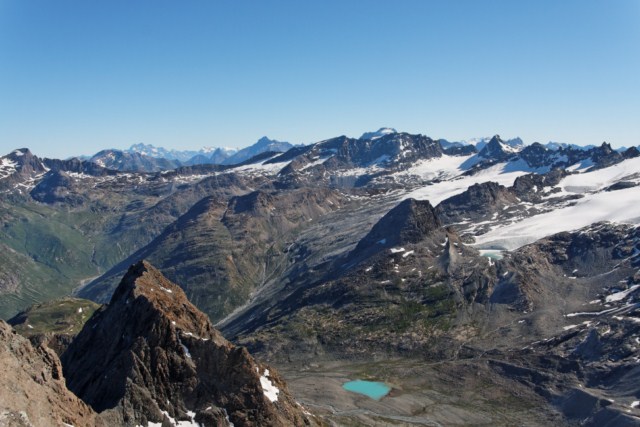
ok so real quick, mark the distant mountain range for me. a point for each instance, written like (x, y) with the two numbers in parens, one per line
(148, 158)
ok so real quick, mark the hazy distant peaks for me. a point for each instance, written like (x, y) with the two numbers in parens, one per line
(263, 145)
(180, 155)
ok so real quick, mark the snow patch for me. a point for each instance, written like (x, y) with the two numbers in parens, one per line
(176, 423)
(619, 296)
(226, 417)
(270, 391)
(186, 350)
(7, 167)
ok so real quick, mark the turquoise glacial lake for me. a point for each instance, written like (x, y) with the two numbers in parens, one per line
(491, 253)
(373, 389)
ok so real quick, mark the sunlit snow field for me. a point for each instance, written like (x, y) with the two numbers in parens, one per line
(595, 205)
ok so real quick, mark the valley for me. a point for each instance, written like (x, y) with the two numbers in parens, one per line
(487, 284)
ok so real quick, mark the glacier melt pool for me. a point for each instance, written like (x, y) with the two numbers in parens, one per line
(373, 389)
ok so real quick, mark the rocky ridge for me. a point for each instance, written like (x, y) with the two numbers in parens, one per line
(151, 356)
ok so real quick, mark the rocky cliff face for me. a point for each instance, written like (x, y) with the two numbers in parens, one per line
(32, 390)
(151, 356)
(409, 222)
(476, 202)
(327, 161)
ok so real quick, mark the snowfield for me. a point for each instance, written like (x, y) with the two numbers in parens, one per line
(622, 206)
(451, 168)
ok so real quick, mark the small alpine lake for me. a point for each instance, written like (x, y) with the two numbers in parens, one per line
(492, 253)
(373, 389)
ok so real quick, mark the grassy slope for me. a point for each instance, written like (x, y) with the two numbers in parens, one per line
(62, 316)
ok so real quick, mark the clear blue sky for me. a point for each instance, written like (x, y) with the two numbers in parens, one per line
(79, 76)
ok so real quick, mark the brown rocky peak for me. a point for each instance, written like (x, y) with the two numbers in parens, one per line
(410, 221)
(152, 356)
(144, 283)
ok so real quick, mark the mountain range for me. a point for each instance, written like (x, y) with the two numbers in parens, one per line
(487, 281)
(147, 158)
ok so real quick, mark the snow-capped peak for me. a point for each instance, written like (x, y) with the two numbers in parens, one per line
(480, 142)
(378, 134)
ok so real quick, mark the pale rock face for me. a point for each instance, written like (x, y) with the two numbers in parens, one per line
(32, 390)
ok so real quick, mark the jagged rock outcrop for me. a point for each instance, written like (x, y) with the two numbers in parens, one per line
(393, 147)
(409, 222)
(538, 156)
(464, 150)
(497, 150)
(32, 390)
(151, 356)
(18, 168)
(27, 165)
(78, 166)
(531, 187)
(630, 153)
(323, 162)
(604, 155)
(476, 202)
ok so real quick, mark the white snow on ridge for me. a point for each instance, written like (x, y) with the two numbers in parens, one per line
(176, 423)
(438, 167)
(619, 296)
(450, 166)
(270, 168)
(77, 175)
(602, 178)
(270, 390)
(7, 167)
(320, 160)
(617, 206)
(508, 148)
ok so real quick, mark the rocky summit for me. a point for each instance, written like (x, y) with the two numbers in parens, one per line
(150, 356)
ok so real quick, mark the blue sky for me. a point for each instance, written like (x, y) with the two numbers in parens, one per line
(79, 76)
